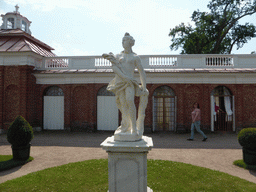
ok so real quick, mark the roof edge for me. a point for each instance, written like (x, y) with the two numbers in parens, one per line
(19, 32)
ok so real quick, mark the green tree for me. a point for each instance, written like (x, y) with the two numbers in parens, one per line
(217, 31)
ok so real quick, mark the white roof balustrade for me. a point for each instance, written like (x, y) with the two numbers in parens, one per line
(193, 61)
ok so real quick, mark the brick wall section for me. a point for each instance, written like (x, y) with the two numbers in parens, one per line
(81, 103)
(180, 94)
(1, 96)
(17, 94)
(239, 108)
(249, 103)
(149, 115)
(26, 91)
(11, 104)
(206, 120)
(39, 104)
(23, 84)
(31, 98)
(67, 107)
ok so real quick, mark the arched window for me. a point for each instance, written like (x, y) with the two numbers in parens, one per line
(104, 92)
(10, 23)
(221, 91)
(164, 91)
(53, 91)
(164, 111)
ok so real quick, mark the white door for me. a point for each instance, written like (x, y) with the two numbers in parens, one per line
(107, 113)
(54, 112)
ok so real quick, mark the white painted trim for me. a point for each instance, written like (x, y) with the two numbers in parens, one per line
(154, 78)
(175, 120)
(234, 115)
(212, 113)
(153, 114)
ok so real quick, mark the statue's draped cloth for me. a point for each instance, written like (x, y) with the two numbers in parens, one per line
(117, 84)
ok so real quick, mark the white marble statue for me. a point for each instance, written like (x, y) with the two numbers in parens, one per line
(125, 87)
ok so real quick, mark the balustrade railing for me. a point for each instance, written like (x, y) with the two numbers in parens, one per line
(101, 62)
(56, 63)
(219, 61)
(154, 61)
(162, 61)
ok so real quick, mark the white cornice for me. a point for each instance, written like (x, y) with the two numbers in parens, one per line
(18, 58)
(152, 78)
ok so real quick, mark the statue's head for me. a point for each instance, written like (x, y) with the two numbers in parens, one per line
(129, 38)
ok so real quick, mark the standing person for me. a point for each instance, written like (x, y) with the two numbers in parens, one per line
(196, 118)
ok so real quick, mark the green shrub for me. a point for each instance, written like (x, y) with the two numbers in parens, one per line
(247, 138)
(20, 133)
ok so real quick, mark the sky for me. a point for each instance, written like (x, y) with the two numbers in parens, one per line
(94, 27)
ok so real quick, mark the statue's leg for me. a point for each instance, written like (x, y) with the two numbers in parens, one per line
(118, 104)
(122, 106)
(131, 108)
(141, 113)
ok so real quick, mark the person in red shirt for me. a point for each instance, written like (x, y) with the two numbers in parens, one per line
(216, 108)
(196, 118)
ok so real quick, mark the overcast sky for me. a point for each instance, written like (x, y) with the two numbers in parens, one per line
(93, 27)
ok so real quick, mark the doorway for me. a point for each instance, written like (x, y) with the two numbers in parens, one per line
(54, 109)
(222, 107)
(164, 109)
(107, 111)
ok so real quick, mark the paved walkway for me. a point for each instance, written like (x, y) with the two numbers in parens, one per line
(51, 149)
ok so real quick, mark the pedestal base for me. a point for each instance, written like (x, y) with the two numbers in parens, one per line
(127, 164)
(126, 137)
(148, 190)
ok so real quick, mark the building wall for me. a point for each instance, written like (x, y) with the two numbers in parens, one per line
(81, 103)
(20, 95)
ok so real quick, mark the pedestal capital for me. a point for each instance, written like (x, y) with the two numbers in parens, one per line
(143, 145)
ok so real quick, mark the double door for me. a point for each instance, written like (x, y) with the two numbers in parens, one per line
(164, 113)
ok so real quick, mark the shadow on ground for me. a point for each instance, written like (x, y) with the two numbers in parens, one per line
(252, 172)
(9, 171)
(161, 140)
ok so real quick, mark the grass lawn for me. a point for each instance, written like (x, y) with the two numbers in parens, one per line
(6, 162)
(92, 175)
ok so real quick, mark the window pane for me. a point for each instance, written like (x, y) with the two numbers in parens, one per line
(24, 26)
(10, 23)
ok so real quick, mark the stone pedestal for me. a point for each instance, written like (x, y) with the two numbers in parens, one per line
(127, 164)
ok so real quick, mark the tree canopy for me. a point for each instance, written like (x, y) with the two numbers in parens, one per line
(216, 31)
